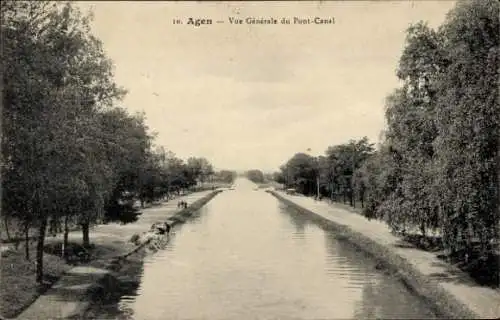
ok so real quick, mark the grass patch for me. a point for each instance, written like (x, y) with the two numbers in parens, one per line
(18, 288)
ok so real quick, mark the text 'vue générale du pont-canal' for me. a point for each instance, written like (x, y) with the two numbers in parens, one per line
(198, 22)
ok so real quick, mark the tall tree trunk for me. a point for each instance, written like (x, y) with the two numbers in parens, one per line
(468, 247)
(27, 240)
(6, 224)
(39, 249)
(317, 187)
(51, 229)
(423, 230)
(66, 235)
(59, 226)
(85, 230)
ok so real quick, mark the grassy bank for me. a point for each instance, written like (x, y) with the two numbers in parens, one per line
(111, 250)
(18, 287)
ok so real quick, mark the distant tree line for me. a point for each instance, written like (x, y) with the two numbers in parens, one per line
(226, 176)
(438, 167)
(70, 154)
(255, 176)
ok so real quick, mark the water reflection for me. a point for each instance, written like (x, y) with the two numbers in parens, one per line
(296, 220)
(383, 297)
(246, 256)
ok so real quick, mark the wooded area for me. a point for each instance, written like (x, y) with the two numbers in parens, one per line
(436, 169)
(71, 154)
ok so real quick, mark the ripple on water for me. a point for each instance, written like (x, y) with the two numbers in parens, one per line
(245, 255)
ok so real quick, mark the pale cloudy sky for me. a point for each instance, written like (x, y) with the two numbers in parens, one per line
(251, 96)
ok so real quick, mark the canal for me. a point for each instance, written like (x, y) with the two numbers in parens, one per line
(245, 255)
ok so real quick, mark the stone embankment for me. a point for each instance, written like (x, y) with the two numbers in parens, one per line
(448, 290)
(71, 296)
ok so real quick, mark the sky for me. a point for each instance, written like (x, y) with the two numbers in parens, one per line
(251, 96)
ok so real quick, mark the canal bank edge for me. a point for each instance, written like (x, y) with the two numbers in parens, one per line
(107, 280)
(444, 303)
(182, 215)
(103, 279)
(178, 217)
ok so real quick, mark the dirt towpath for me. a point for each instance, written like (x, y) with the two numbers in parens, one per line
(64, 299)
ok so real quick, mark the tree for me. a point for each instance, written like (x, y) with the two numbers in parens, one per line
(127, 145)
(29, 145)
(255, 176)
(341, 162)
(199, 169)
(225, 176)
(411, 125)
(438, 165)
(278, 177)
(206, 169)
(61, 61)
(300, 172)
(467, 121)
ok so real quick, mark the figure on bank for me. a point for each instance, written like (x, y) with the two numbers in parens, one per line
(161, 228)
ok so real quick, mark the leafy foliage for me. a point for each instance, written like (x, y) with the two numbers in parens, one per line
(68, 151)
(437, 168)
(255, 176)
(225, 176)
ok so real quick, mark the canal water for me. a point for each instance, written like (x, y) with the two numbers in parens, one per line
(245, 255)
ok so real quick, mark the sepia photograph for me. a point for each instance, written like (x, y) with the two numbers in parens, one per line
(250, 159)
